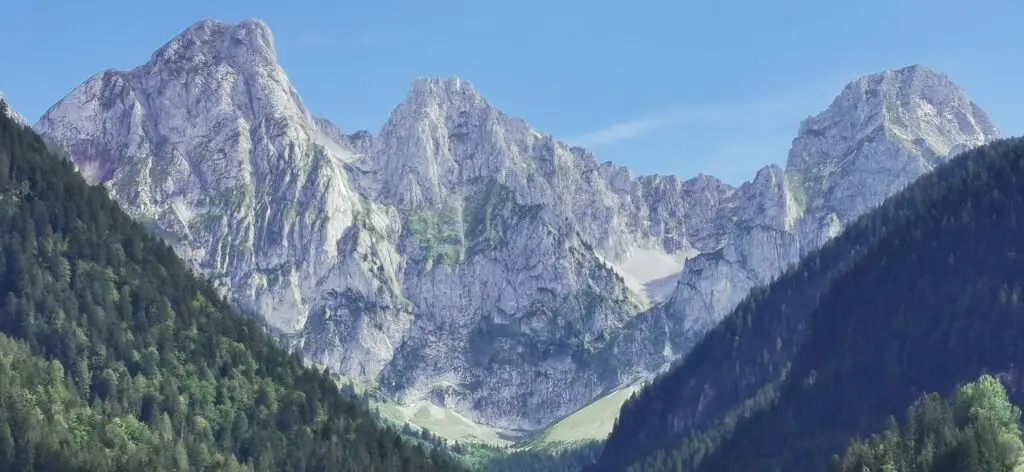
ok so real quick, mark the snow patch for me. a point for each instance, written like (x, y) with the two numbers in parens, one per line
(651, 272)
(334, 149)
(647, 265)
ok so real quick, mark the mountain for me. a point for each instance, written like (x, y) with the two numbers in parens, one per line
(881, 133)
(114, 356)
(9, 112)
(210, 145)
(460, 257)
(920, 295)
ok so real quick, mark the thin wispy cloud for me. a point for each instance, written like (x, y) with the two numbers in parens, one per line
(622, 131)
(635, 128)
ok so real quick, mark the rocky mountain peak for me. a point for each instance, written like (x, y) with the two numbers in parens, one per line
(442, 135)
(13, 114)
(452, 87)
(211, 145)
(913, 104)
(213, 39)
(439, 98)
(460, 257)
(329, 129)
(212, 76)
(236, 63)
(881, 133)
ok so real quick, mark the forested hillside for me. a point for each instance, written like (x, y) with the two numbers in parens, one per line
(568, 460)
(113, 356)
(920, 295)
(978, 431)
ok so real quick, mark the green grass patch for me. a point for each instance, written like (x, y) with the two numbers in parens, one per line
(438, 233)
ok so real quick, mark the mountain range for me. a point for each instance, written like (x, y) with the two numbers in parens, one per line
(922, 294)
(459, 257)
(115, 356)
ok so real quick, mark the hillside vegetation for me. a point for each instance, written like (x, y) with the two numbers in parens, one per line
(113, 356)
(920, 295)
(979, 430)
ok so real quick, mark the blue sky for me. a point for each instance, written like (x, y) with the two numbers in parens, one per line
(671, 87)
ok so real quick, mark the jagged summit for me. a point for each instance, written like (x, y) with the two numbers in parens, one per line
(430, 101)
(881, 133)
(210, 36)
(444, 133)
(446, 84)
(438, 97)
(461, 257)
(213, 75)
(197, 140)
(329, 128)
(914, 104)
(908, 82)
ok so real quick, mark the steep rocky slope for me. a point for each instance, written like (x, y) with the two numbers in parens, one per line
(459, 256)
(114, 356)
(7, 110)
(880, 134)
(210, 144)
(922, 294)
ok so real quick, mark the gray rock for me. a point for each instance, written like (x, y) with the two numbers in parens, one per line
(883, 132)
(460, 256)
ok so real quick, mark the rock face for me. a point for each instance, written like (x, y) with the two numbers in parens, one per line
(460, 256)
(210, 145)
(883, 132)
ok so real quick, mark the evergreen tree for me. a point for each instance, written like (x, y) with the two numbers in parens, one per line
(114, 356)
(921, 294)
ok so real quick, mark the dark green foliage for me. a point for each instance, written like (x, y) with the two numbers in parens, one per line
(922, 294)
(570, 460)
(980, 432)
(126, 361)
(438, 233)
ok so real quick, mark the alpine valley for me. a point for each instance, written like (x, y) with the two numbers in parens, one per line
(458, 261)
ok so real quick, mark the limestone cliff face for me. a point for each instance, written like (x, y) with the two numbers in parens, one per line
(210, 145)
(883, 132)
(458, 255)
